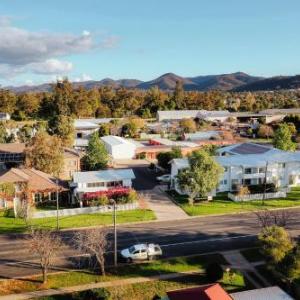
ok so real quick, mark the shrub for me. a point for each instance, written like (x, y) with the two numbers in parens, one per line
(95, 294)
(132, 196)
(103, 200)
(214, 272)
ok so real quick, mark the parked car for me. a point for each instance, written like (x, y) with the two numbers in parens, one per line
(141, 252)
(164, 178)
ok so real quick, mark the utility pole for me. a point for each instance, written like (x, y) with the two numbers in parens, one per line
(115, 233)
(57, 206)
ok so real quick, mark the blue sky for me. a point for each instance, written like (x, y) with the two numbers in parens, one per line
(94, 39)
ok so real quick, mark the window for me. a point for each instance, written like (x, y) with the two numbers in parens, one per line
(37, 197)
(262, 170)
(143, 251)
(281, 165)
(225, 181)
(247, 181)
(247, 171)
(254, 170)
(225, 169)
(95, 184)
(254, 181)
(114, 183)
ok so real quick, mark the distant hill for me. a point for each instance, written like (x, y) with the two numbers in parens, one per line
(271, 84)
(238, 81)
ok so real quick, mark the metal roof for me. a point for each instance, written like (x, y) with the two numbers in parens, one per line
(249, 148)
(268, 293)
(103, 175)
(114, 140)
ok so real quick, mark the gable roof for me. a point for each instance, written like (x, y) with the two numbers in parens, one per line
(207, 292)
(37, 181)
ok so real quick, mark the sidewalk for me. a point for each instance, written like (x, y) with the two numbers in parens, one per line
(78, 288)
(164, 208)
(238, 262)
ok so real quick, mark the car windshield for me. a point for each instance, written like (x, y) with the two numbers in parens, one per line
(131, 249)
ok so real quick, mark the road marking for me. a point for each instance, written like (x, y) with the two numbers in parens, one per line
(210, 240)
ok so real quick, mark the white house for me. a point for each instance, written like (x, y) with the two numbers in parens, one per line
(120, 148)
(176, 115)
(4, 116)
(98, 181)
(250, 164)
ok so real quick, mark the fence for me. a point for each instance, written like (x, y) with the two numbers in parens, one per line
(83, 210)
(236, 198)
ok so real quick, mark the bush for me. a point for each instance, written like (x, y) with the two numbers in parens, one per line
(95, 294)
(103, 200)
(132, 196)
(214, 272)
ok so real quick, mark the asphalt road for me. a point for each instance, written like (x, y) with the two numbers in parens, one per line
(180, 237)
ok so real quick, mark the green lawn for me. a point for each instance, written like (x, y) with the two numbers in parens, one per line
(222, 205)
(141, 290)
(10, 224)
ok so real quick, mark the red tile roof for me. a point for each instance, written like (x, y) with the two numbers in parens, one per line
(207, 292)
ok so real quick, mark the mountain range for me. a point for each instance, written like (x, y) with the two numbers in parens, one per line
(238, 81)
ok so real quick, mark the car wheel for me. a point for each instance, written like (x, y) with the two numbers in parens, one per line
(129, 260)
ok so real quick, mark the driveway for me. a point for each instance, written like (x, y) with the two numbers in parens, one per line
(145, 179)
(164, 208)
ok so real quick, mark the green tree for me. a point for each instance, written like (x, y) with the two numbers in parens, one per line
(25, 133)
(188, 125)
(7, 101)
(45, 153)
(201, 177)
(133, 127)
(164, 158)
(276, 243)
(63, 127)
(283, 138)
(104, 129)
(96, 154)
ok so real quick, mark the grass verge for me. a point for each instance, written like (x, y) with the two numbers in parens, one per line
(159, 267)
(222, 205)
(15, 225)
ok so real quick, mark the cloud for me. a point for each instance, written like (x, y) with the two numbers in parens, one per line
(83, 77)
(39, 52)
(51, 66)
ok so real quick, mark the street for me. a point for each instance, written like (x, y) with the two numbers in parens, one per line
(180, 237)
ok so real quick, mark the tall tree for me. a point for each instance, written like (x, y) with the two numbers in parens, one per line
(45, 153)
(63, 127)
(164, 158)
(188, 125)
(96, 154)
(3, 133)
(7, 101)
(201, 177)
(283, 138)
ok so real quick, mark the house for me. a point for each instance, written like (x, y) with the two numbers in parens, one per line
(201, 135)
(249, 164)
(94, 183)
(4, 116)
(120, 148)
(71, 163)
(206, 292)
(31, 185)
(11, 154)
(176, 115)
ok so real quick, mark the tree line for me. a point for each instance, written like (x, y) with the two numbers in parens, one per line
(107, 101)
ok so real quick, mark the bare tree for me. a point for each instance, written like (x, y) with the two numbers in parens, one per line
(45, 244)
(268, 218)
(93, 242)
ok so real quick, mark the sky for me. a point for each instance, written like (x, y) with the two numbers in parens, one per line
(41, 41)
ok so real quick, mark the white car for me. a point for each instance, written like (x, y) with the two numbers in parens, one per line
(164, 178)
(141, 252)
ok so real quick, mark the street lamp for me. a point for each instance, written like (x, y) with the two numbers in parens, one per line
(115, 232)
(57, 206)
